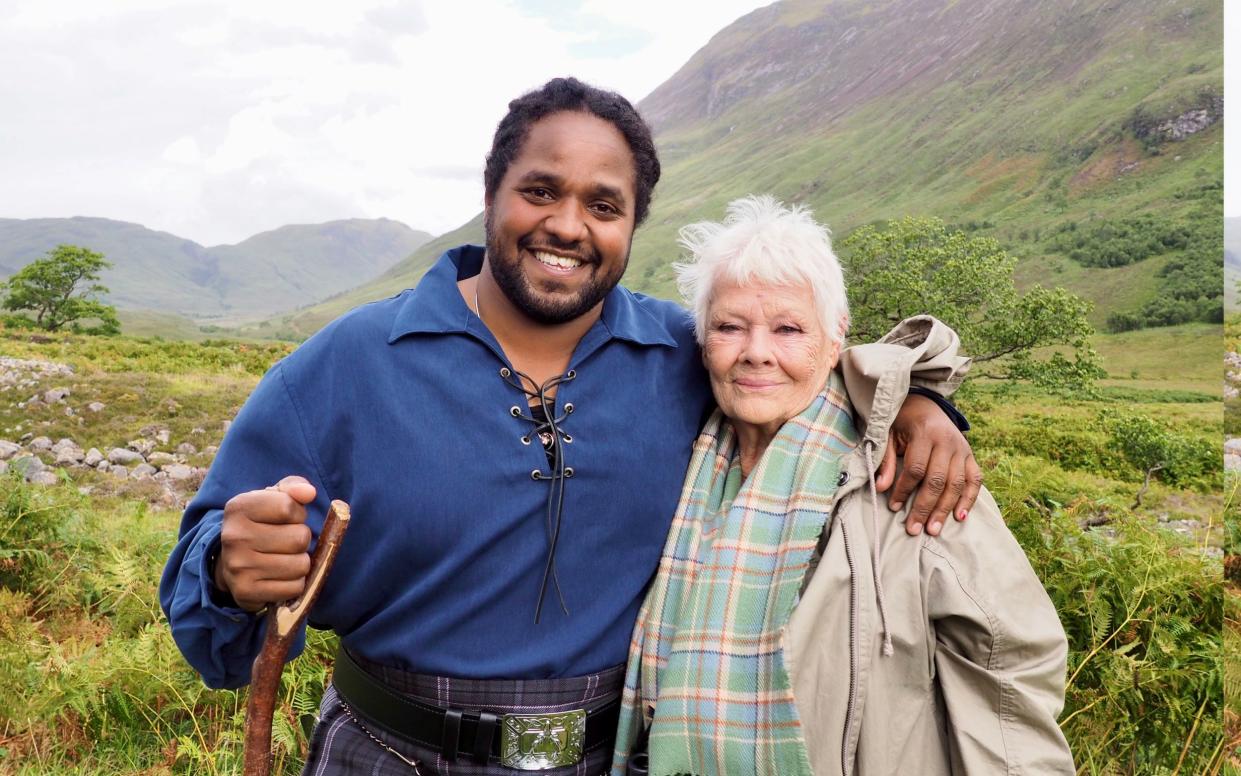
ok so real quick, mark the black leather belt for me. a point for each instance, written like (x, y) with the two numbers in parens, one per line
(522, 741)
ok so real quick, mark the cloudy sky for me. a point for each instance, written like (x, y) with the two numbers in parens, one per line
(216, 120)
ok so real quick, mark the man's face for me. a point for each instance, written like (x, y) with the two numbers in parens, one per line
(560, 222)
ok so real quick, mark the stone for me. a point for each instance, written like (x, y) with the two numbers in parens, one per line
(69, 456)
(185, 448)
(162, 436)
(44, 478)
(122, 456)
(1233, 445)
(178, 471)
(210, 450)
(53, 395)
(1232, 462)
(93, 457)
(141, 446)
(159, 459)
(27, 465)
(96, 406)
(40, 443)
(63, 443)
(118, 471)
(8, 449)
(143, 471)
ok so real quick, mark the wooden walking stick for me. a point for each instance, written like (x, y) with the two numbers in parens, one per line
(282, 625)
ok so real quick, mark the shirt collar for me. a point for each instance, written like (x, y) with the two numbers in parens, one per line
(435, 306)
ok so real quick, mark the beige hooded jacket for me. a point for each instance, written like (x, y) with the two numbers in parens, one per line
(975, 676)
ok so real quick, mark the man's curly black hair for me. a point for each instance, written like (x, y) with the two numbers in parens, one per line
(570, 94)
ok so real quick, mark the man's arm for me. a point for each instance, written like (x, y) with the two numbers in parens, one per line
(219, 555)
(939, 462)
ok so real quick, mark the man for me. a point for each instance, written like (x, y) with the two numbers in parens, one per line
(512, 436)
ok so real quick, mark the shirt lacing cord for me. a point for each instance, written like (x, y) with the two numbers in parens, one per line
(548, 430)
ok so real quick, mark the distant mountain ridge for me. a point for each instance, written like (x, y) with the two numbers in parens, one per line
(271, 272)
(1008, 118)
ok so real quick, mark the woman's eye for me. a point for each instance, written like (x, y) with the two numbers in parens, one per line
(727, 327)
(788, 329)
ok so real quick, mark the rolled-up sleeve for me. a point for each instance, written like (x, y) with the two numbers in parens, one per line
(265, 443)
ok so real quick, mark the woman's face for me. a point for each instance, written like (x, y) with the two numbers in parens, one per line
(766, 351)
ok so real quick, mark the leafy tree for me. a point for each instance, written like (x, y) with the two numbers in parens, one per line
(1154, 449)
(59, 289)
(917, 266)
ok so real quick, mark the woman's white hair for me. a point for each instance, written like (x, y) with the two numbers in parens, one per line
(763, 241)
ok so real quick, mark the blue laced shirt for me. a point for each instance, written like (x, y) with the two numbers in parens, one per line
(399, 408)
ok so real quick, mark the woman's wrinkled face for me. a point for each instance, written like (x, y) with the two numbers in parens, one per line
(766, 352)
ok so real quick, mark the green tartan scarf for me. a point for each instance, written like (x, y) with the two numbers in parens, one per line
(707, 646)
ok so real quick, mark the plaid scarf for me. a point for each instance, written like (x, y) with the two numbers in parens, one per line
(708, 641)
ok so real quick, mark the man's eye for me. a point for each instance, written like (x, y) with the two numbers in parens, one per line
(539, 192)
(603, 208)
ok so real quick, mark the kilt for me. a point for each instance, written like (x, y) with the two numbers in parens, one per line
(342, 741)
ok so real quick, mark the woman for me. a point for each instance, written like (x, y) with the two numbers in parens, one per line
(792, 626)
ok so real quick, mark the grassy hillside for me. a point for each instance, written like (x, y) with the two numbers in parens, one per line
(1011, 119)
(91, 682)
(267, 273)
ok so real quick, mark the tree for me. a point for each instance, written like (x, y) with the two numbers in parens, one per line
(1154, 449)
(59, 289)
(918, 266)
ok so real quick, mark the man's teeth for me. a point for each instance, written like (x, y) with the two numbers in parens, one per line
(552, 260)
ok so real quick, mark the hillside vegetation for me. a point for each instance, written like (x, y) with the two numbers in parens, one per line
(1011, 119)
(91, 683)
(159, 273)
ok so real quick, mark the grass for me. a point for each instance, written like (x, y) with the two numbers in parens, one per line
(91, 683)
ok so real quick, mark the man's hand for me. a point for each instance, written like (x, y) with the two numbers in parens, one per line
(937, 457)
(263, 544)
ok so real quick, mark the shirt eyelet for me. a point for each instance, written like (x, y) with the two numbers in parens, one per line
(568, 408)
(515, 411)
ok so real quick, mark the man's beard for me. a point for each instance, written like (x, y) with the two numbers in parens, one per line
(511, 278)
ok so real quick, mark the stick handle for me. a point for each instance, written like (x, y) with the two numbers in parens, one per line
(283, 622)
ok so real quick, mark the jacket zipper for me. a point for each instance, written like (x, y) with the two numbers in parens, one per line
(853, 618)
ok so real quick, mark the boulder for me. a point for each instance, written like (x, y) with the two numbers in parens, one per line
(143, 471)
(53, 395)
(142, 446)
(8, 449)
(178, 471)
(210, 450)
(122, 456)
(118, 471)
(27, 465)
(159, 459)
(162, 436)
(96, 406)
(93, 457)
(44, 478)
(40, 443)
(69, 456)
(185, 448)
(63, 443)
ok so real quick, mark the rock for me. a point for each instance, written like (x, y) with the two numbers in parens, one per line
(44, 478)
(69, 456)
(178, 471)
(53, 395)
(63, 443)
(40, 443)
(160, 458)
(96, 406)
(33, 404)
(1233, 446)
(143, 471)
(27, 465)
(26, 437)
(185, 448)
(8, 449)
(210, 450)
(118, 471)
(123, 456)
(4, 467)
(142, 446)
(93, 457)
(1232, 462)
(162, 436)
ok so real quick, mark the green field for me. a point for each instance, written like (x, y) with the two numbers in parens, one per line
(90, 682)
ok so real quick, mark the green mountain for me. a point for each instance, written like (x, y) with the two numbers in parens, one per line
(265, 274)
(1016, 119)
(1232, 262)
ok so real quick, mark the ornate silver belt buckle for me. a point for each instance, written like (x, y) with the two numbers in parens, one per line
(536, 742)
